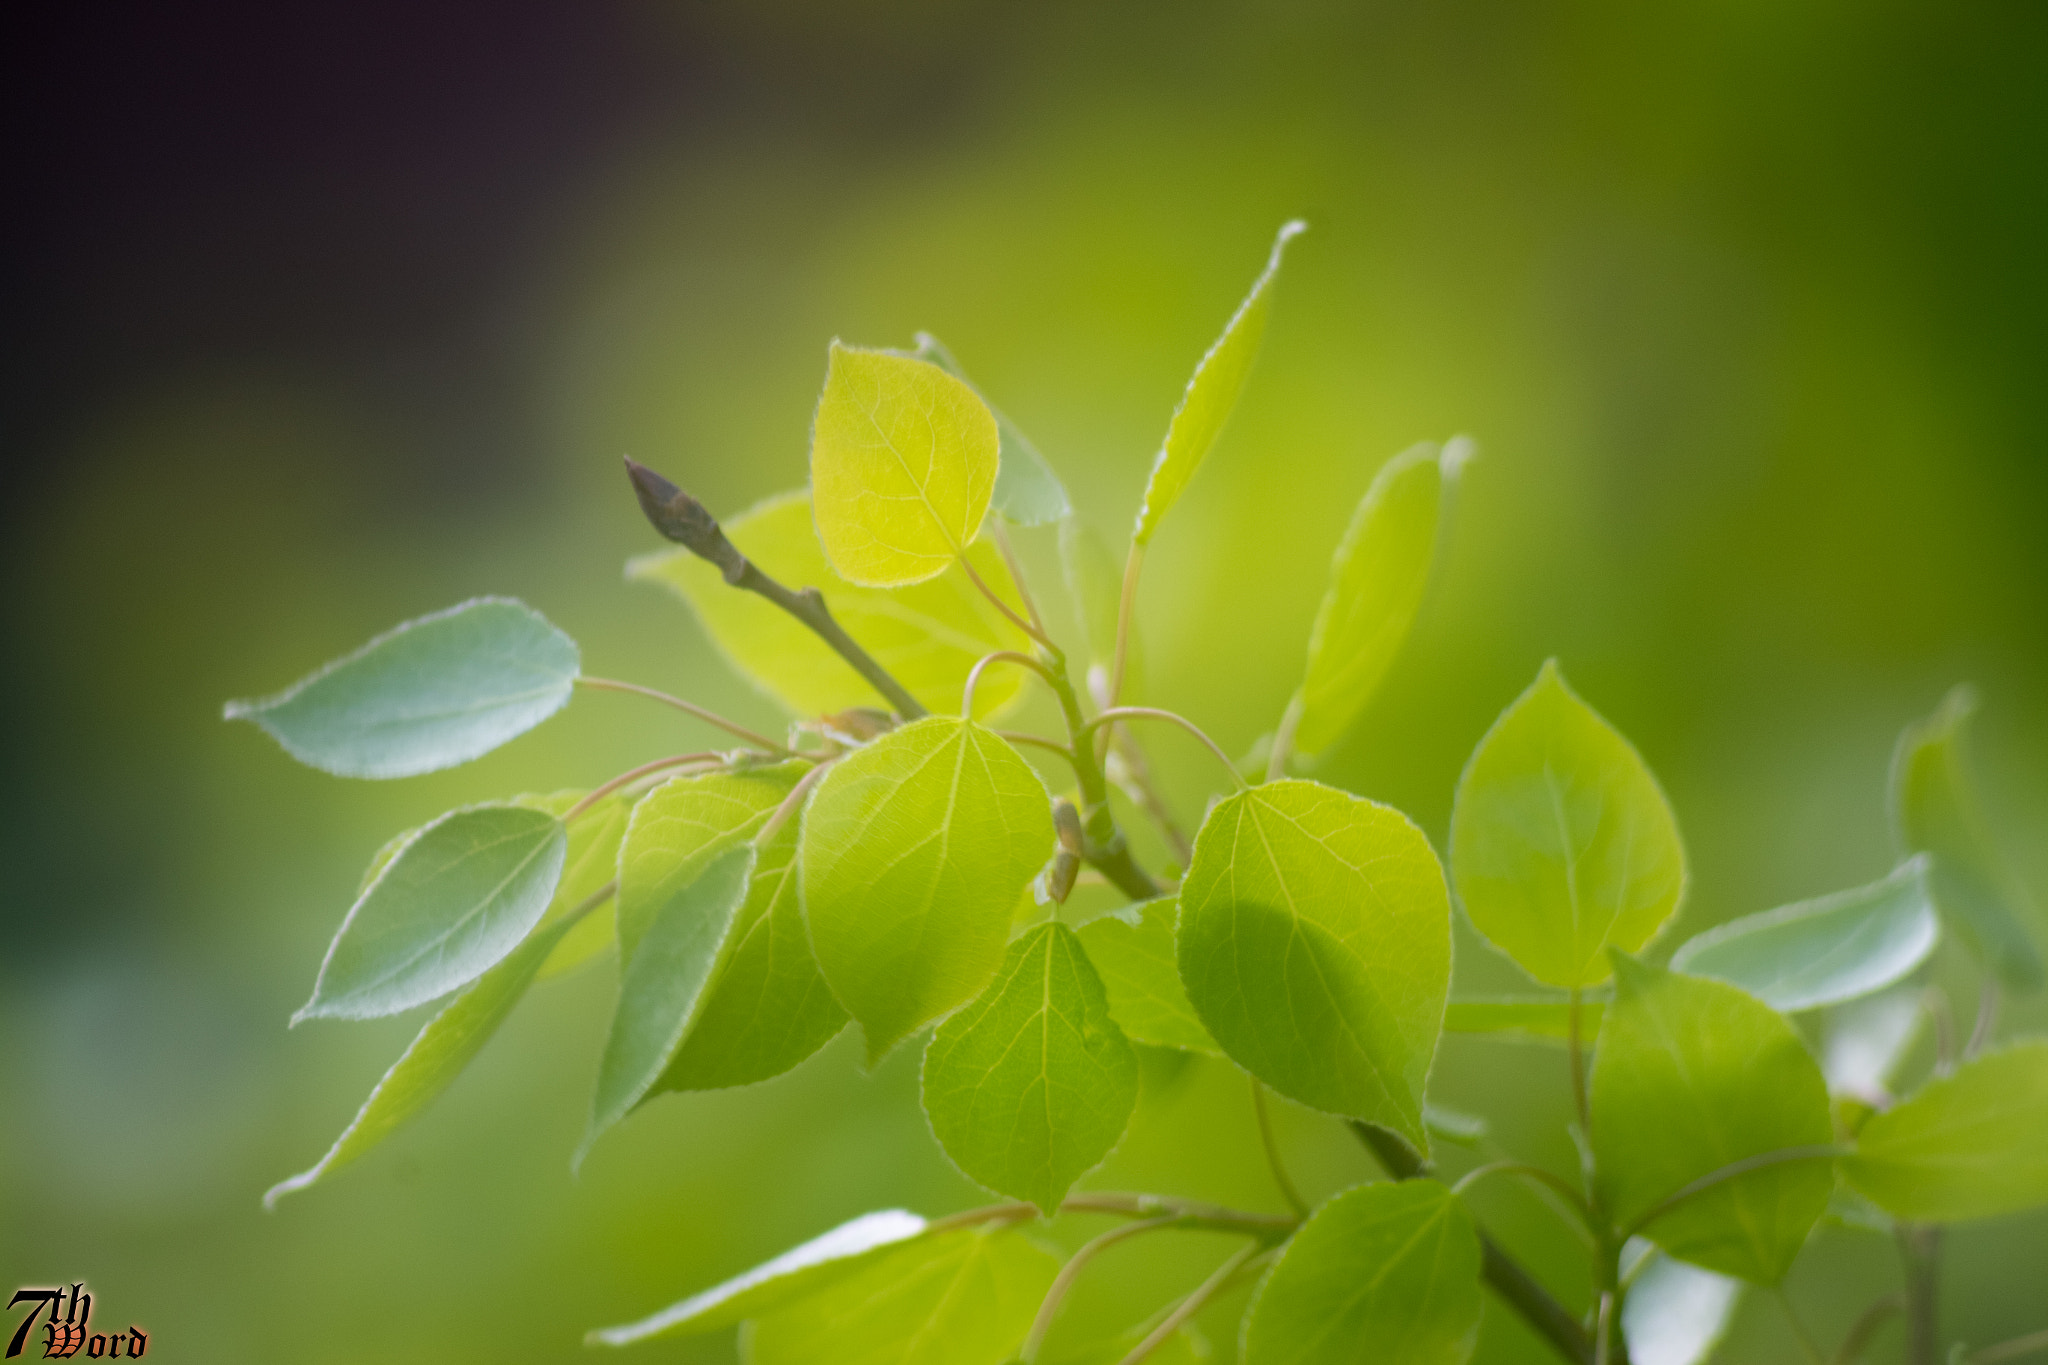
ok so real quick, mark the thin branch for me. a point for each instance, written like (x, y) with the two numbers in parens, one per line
(1190, 1213)
(1038, 742)
(1124, 606)
(1573, 1198)
(1574, 1041)
(1001, 536)
(731, 727)
(1128, 767)
(1283, 738)
(1280, 1176)
(1603, 1327)
(1920, 1250)
(1807, 1345)
(1190, 1306)
(1116, 713)
(1987, 1017)
(772, 826)
(1734, 1169)
(1105, 849)
(592, 901)
(1049, 1306)
(1001, 656)
(1006, 609)
(2011, 1350)
(1935, 1001)
(1866, 1325)
(633, 775)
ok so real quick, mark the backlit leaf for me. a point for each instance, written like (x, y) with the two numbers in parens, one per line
(914, 851)
(1561, 842)
(591, 863)
(903, 464)
(1185, 1347)
(1969, 1145)
(680, 826)
(1676, 1314)
(1132, 949)
(1524, 1018)
(433, 693)
(1031, 1084)
(1315, 945)
(1027, 491)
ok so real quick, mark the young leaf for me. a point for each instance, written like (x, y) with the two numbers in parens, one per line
(1315, 945)
(1211, 394)
(1525, 1018)
(1867, 1041)
(927, 635)
(1387, 1271)
(433, 693)
(1030, 1085)
(966, 1298)
(1376, 582)
(455, 899)
(1132, 949)
(1968, 1145)
(913, 852)
(1561, 842)
(592, 861)
(1676, 1314)
(1823, 951)
(680, 826)
(903, 463)
(1095, 582)
(1027, 492)
(1935, 810)
(662, 984)
(795, 1274)
(1692, 1076)
(435, 1058)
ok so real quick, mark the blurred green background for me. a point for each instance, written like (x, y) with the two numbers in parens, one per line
(321, 320)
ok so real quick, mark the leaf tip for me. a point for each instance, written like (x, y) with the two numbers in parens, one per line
(1458, 452)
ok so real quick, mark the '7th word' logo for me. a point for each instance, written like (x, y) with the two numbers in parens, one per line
(66, 1336)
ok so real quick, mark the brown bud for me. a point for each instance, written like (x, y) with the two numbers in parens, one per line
(684, 520)
(1066, 823)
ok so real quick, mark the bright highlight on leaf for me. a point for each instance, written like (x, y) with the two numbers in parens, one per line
(1676, 1314)
(1562, 845)
(1315, 944)
(1970, 1145)
(903, 464)
(1027, 492)
(452, 901)
(1867, 1042)
(1133, 951)
(433, 693)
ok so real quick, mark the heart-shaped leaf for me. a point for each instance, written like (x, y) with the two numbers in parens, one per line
(1027, 492)
(1133, 952)
(1969, 1145)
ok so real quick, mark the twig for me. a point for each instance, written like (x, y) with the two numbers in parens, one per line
(1190, 1213)
(1128, 767)
(1035, 632)
(1116, 713)
(779, 817)
(1987, 1017)
(1001, 536)
(1125, 603)
(1039, 742)
(1720, 1176)
(2011, 1350)
(1049, 1306)
(1001, 656)
(1283, 737)
(633, 775)
(1865, 1327)
(1575, 1200)
(1920, 1249)
(1280, 1176)
(731, 727)
(1807, 1345)
(1190, 1306)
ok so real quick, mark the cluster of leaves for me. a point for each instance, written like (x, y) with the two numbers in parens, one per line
(902, 870)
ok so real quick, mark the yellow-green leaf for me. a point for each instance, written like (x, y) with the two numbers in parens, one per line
(592, 862)
(1132, 949)
(1027, 492)
(1969, 1145)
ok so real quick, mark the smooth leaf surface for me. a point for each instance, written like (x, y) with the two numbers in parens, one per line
(913, 853)
(796, 1273)
(590, 863)
(1027, 492)
(680, 826)
(903, 464)
(1824, 951)
(1936, 812)
(1133, 951)
(1315, 945)
(1382, 1272)
(965, 1298)
(927, 635)
(1032, 1084)
(453, 901)
(1185, 1346)
(1525, 1018)
(1561, 842)
(428, 695)
(1691, 1076)
(1211, 394)
(1968, 1145)
(1676, 1314)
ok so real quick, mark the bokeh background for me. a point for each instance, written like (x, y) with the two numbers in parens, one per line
(321, 317)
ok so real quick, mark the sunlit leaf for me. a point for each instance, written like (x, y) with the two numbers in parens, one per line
(454, 900)
(914, 851)
(1968, 1145)
(591, 863)
(1676, 1314)
(1185, 1346)
(1381, 1272)
(1132, 949)
(679, 827)
(1561, 842)
(433, 693)
(1315, 945)
(1692, 1076)
(1031, 1084)
(1027, 492)
(1211, 394)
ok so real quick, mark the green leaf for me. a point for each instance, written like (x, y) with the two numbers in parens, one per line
(1387, 1271)
(454, 900)
(1561, 843)
(1185, 1346)
(1133, 951)
(433, 693)
(1376, 582)
(1935, 810)
(913, 853)
(966, 1298)
(591, 863)
(1211, 394)
(662, 985)
(1676, 1314)
(1031, 1085)
(927, 635)
(1969, 1145)
(1692, 1076)
(1453, 1125)
(1027, 492)
(1524, 1018)
(680, 826)
(903, 463)
(1823, 951)
(1095, 582)
(795, 1274)
(1315, 944)
(435, 1058)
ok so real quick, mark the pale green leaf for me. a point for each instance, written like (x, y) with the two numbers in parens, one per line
(795, 1274)
(1524, 1018)
(1095, 582)
(913, 853)
(454, 900)
(1211, 394)
(1826, 950)
(433, 693)
(434, 1059)
(903, 464)
(679, 827)
(1676, 1314)
(1453, 1125)
(1381, 1272)
(1968, 1145)
(1185, 1346)
(1315, 945)
(1027, 492)
(927, 635)
(1031, 1084)
(1692, 1076)
(1562, 845)
(1133, 951)
(965, 1298)
(1935, 810)
(591, 864)
(1867, 1041)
